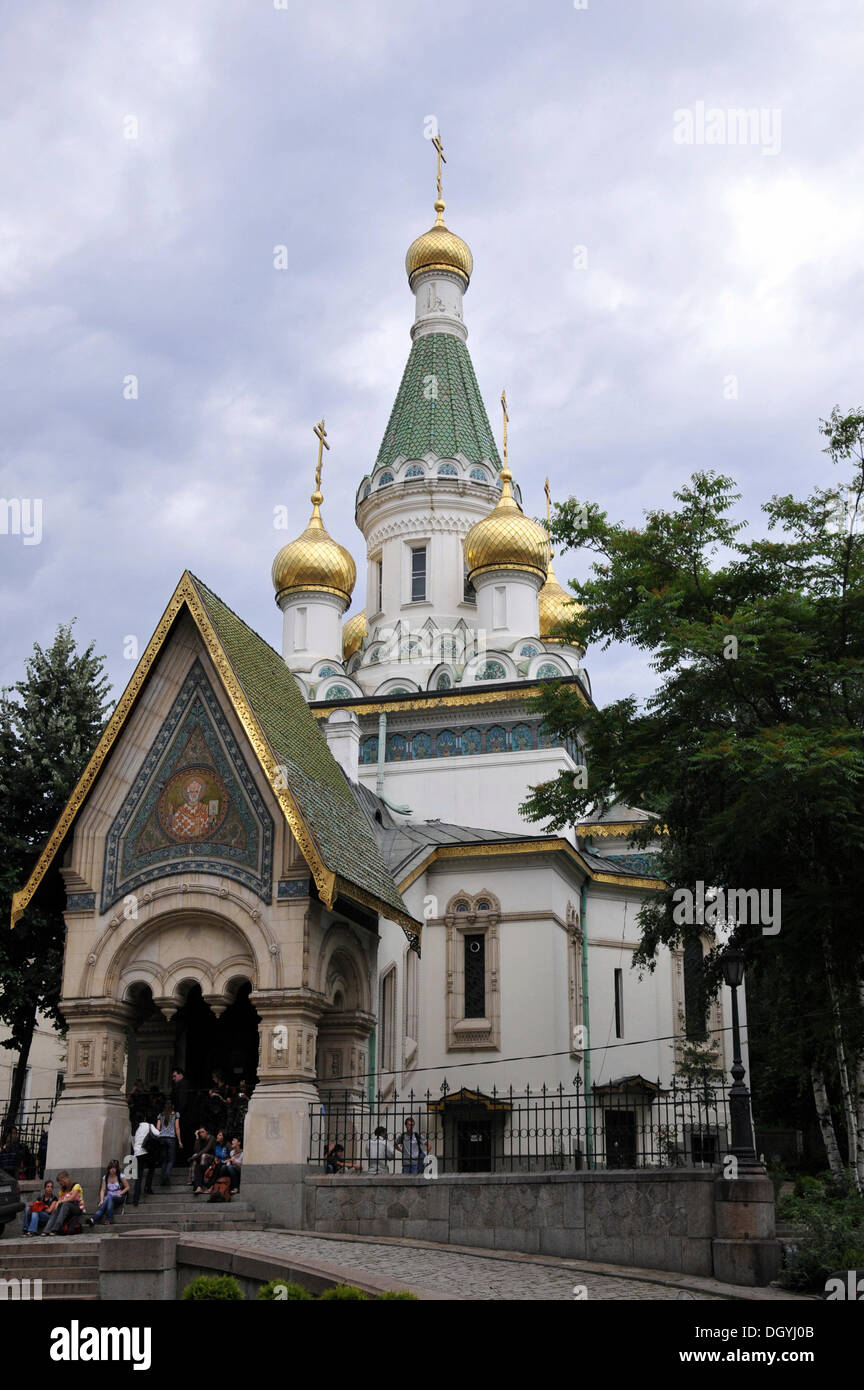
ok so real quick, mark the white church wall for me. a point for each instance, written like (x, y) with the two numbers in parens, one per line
(483, 791)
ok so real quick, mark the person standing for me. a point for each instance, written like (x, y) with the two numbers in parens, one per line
(412, 1147)
(168, 1128)
(181, 1099)
(145, 1159)
(380, 1152)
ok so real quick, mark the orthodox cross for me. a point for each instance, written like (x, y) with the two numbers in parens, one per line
(548, 503)
(506, 418)
(439, 150)
(320, 431)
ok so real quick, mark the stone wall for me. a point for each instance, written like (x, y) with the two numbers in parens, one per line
(663, 1219)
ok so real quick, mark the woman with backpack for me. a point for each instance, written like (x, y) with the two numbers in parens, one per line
(145, 1149)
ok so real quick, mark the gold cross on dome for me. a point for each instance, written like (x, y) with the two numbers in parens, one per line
(548, 503)
(320, 431)
(439, 150)
(506, 418)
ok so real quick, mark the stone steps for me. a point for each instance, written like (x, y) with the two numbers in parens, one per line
(67, 1270)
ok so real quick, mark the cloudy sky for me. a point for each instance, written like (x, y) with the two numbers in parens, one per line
(302, 126)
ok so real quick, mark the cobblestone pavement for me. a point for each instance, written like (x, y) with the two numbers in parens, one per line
(471, 1277)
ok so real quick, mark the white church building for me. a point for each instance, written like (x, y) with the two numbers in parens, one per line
(314, 866)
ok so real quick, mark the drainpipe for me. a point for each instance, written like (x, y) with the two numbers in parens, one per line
(382, 749)
(589, 1138)
(379, 780)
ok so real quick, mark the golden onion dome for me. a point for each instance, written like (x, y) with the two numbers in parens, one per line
(314, 561)
(439, 249)
(353, 633)
(556, 607)
(506, 539)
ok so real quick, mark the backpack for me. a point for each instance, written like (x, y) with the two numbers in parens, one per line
(221, 1190)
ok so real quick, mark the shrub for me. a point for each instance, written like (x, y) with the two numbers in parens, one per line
(397, 1293)
(341, 1292)
(834, 1240)
(805, 1186)
(213, 1286)
(282, 1292)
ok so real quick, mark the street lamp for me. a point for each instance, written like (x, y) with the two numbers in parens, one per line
(742, 1147)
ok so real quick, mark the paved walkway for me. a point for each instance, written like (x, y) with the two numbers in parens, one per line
(453, 1272)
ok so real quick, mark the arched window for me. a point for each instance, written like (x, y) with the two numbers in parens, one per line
(367, 489)
(548, 671)
(369, 750)
(385, 479)
(443, 682)
(328, 671)
(448, 470)
(528, 650)
(479, 475)
(415, 471)
(492, 671)
(338, 692)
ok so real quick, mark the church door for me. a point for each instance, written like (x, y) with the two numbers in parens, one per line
(620, 1130)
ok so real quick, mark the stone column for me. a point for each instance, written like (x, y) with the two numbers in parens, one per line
(276, 1135)
(90, 1124)
(745, 1248)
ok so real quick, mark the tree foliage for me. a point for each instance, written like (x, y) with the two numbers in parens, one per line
(751, 748)
(49, 724)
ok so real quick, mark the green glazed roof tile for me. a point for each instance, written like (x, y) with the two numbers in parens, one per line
(438, 407)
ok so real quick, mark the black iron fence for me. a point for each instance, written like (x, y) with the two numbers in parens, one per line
(629, 1124)
(26, 1138)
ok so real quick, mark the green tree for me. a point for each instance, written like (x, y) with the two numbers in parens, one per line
(751, 748)
(49, 725)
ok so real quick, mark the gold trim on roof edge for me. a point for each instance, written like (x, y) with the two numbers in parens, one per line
(185, 593)
(621, 827)
(466, 696)
(524, 847)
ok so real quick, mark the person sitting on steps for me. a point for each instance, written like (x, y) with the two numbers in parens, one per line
(112, 1195)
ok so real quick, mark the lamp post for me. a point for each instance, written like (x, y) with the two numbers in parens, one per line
(742, 1147)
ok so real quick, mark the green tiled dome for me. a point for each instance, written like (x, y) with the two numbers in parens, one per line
(438, 407)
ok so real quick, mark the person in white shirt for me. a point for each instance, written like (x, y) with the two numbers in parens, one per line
(380, 1152)
(146, 1162)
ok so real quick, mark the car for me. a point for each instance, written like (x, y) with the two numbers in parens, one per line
(10, 1200)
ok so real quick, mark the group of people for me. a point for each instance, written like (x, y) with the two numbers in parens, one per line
(61, 1211)
(218, 1106)
(203, 1128)
(162, 1134)
(411, 1146)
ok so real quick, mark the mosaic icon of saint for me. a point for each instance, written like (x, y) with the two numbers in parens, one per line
(193, 818)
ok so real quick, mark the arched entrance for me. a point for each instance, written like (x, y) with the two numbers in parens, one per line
(205, 1037)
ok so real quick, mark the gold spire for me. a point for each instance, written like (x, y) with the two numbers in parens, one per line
(314, 561)
(439, 248)
(506, 539)
(555, 606)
